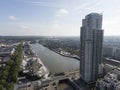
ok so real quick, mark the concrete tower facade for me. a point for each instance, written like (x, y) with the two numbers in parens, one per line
(91, 47)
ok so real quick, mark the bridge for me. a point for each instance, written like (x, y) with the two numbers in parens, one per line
(54, 80)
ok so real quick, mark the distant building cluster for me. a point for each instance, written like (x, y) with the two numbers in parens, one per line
(6, 51)
(111, 52)
(111, 81)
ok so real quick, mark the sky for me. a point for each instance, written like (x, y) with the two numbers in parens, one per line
(55, 17)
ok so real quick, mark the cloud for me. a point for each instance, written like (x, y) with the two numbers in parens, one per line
(111, 25)
(12, 18)
(62, 12)
(24, 27)
(53, 4)
(88, 5)
(82, 6)
(55, 26)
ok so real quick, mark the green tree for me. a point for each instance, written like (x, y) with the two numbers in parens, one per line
(10, 86)
(1, 87)
(2, 82)
(10, 72)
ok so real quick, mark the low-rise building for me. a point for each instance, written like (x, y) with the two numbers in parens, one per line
(111, 81)
(34, 66)
(8, 51)
(23, 84)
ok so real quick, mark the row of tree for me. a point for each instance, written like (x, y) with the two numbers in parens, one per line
(10, 73)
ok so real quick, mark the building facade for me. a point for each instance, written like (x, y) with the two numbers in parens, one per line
(117, 54)
(108, 51)
(111, 52)
(111, 81)
(91, 47)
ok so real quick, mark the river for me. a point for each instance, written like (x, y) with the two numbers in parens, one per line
(53, 61)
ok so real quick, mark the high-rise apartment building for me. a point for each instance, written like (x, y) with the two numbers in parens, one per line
(91, 47)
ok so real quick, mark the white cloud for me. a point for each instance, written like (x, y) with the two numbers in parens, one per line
(84, 5)
(55, 26)
(25, 27)
(88, 5)
(111, 25)
(62, 12)
(52, 4)
(12, 18)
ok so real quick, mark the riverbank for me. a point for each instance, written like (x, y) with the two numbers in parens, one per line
(46, 71)
(32, 64)
(64, 53)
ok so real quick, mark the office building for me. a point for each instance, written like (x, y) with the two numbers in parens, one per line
(108, 51)
(91, 47)
(117, 54)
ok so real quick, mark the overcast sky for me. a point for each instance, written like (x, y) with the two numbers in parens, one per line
(55, 17)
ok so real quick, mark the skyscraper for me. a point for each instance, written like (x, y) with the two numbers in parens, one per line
(91, 47)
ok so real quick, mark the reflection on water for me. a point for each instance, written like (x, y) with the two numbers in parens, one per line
(55, 62)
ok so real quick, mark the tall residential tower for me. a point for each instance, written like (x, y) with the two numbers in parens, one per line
(91, 47)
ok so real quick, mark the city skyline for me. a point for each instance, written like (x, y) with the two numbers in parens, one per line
(55, 18)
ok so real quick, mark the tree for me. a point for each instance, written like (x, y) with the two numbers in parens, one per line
(2, 82)
(10, 62)
(1, 87)
(10, 86)
(14, 76)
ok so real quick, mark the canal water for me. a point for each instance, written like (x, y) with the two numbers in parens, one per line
(53, 61)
